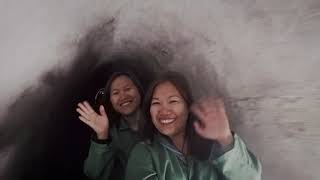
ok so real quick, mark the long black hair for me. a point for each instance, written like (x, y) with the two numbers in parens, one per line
(198, 146)
(103, 95)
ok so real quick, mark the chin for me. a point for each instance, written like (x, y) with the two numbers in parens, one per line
(127, 112)
(167, 133)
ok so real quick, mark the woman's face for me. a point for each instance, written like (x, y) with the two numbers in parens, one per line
(124, 95)
(169, 111)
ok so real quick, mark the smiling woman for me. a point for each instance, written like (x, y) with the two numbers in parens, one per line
(124, 95)
(169, 113)
(168, 153)
(115, 126)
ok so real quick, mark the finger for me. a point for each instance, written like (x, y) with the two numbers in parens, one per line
(86, 121)
(199, 129)
(223, 114)
(207, 102)
(82, 113)
(207, 106)
(201, 106)
(83, 108)
(83, 119)
(196, 110)
(220, 106)
(210, 105)
(221, 111)
(90, 109)
(102, 111)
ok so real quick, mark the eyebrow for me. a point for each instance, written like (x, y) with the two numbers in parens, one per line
(126, 86)
(176, 96)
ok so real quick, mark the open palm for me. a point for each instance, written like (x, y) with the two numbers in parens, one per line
(98, 122)
(213, 121)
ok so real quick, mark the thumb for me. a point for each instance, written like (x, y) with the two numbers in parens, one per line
(199, 129)
(102, 111)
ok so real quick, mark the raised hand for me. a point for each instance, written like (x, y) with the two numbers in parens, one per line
(98, 122)
(213, 121)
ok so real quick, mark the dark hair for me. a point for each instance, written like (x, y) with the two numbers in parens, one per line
(148, 130)
(113, 115)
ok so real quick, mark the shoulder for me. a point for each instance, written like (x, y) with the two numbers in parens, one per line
(140, 154)
(146, 147)
(114, 130)
(142, 147)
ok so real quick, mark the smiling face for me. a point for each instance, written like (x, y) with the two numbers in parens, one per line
(168, 110)
(124, 95)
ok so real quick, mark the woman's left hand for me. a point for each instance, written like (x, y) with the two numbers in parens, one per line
(213, 121)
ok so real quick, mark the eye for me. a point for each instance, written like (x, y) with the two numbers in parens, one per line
(115, 93)
(128, 89)
(155, 103)
(174, 101)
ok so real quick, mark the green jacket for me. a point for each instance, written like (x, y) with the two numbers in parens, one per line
(162, 161)
(101, 157)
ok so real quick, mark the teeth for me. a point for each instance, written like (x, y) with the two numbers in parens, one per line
(166, 121)
(125, 103)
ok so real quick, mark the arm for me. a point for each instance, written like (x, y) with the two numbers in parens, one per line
(100, 158)
(235, 164)
(238, 163)
(99, 161)
(140, 165)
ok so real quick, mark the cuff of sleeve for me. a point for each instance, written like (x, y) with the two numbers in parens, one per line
(100, 141)
(217, 150)
(238, 163)
(230, 153)
(99, 148)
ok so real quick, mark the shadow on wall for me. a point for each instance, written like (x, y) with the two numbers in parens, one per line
(42, 124)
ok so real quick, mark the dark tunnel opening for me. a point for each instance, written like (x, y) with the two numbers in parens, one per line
(50, 141)
(56, 142)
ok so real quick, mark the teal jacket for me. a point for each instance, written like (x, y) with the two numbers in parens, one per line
(160, 160)
(101, 157)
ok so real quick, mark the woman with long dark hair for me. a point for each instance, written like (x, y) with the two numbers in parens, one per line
(115, 126)
(173, 127)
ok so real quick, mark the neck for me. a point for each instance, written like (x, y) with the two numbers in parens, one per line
(181, 143)
(132, 119)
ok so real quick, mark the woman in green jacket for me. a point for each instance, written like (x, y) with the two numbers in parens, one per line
(172, 151)
(115, 128)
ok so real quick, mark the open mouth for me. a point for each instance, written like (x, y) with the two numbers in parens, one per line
(167, 121)
(125, 103)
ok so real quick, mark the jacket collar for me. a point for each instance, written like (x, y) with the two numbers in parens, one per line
(166, 143)
(123, 125)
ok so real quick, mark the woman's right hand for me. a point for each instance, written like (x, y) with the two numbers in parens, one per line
(98, 122)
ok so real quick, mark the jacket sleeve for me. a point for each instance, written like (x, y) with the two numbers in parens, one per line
(140, 166)
(99, 161)
(238, 163)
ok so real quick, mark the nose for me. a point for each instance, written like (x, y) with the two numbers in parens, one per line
(123, 95)
(164, 110)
